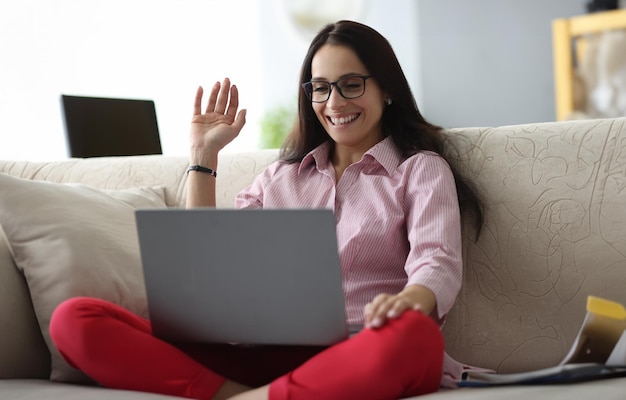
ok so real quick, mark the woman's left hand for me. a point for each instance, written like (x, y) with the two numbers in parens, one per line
(385, 306)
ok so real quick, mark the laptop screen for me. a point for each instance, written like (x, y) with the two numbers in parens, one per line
(97, 127)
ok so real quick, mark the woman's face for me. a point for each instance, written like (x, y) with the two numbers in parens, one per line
(354, 123)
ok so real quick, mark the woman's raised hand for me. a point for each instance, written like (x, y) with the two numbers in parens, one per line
(219, 124)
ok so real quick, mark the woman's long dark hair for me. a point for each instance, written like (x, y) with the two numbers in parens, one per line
(401, 119)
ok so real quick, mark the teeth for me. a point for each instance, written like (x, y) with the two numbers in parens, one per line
(343, 120)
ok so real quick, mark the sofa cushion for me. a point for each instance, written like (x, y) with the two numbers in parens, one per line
(24, 352)
(74, 240)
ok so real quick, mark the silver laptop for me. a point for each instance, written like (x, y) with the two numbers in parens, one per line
(243, 276)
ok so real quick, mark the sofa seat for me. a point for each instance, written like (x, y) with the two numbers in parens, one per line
(31, 389)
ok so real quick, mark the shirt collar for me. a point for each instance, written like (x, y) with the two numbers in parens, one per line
(384, 153)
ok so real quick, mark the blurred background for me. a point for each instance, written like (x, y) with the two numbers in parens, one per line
(469, 63)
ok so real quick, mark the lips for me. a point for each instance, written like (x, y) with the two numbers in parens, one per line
(346, 119)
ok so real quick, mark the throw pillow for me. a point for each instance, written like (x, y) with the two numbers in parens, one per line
(74, 240)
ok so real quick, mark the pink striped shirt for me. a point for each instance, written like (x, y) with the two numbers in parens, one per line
(397, 219)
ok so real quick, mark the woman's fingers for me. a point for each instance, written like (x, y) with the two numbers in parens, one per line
(222, 98)
(240, 121)
(233, 103)
(386, 306)
(210, 106)
(376, 310)
(197, 103)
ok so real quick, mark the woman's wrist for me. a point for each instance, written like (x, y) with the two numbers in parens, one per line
(203, 157)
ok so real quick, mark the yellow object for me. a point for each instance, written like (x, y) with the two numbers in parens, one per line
(606, 308)
(602, 328)
(569, 34)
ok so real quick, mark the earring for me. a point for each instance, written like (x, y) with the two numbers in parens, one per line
(388, 101)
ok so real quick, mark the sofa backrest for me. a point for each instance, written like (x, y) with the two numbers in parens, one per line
(555, 233)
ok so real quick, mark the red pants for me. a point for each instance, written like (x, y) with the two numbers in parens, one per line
(116, 348)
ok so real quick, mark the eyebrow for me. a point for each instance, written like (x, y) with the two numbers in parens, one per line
(348, 75)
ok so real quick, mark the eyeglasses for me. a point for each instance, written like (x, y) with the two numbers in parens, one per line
(349, 88)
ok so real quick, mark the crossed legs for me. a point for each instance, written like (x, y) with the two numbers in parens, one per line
(116, 349)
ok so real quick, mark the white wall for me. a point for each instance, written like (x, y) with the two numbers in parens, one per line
(155, 49)
(489, 62)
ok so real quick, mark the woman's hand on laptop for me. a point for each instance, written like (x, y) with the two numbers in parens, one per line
(218, 125)
(385, 306)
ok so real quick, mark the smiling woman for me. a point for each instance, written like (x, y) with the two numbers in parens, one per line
(143, 49)
(396, 202)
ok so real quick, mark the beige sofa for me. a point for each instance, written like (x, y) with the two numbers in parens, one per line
(555, 232)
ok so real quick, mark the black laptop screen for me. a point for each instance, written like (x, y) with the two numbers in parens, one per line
(97, 127)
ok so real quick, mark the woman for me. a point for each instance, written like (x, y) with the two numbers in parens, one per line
(362, 148)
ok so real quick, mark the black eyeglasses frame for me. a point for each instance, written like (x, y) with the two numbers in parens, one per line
(307, 87)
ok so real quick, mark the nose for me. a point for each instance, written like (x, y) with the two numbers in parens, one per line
(335, 99)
